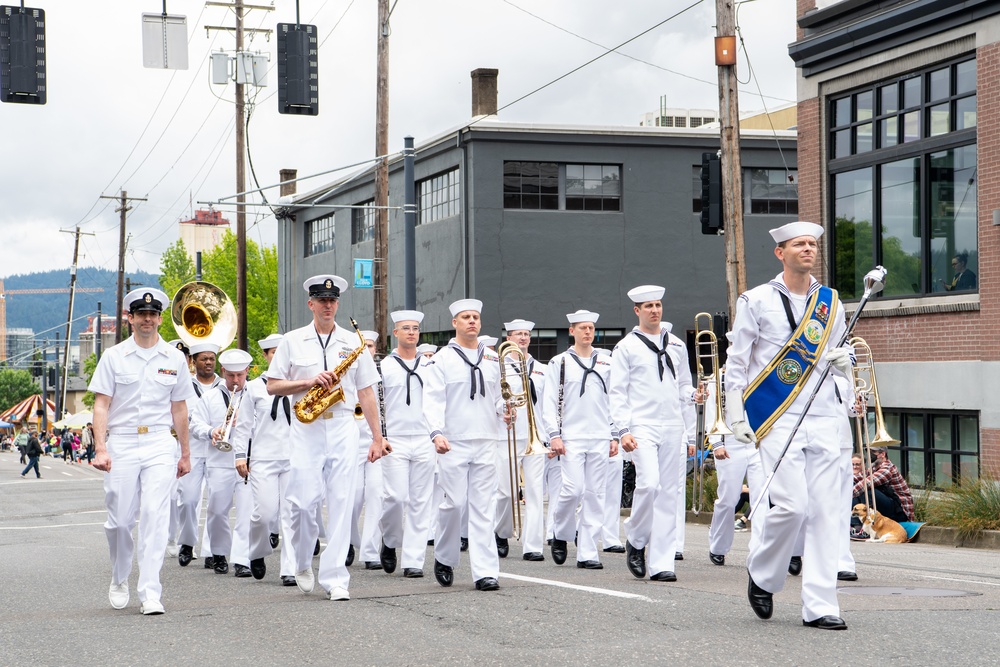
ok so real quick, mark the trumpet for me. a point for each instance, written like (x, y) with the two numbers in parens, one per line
(223, 444)
(515, 400)
(706, 345)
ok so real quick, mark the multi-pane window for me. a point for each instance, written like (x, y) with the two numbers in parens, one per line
(905, 193)
(438, 197)
(319, 235)
(363, 222)
(765, 191)
(555, 186)
(936, 449)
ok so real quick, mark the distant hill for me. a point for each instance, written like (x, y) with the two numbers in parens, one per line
(42, 312)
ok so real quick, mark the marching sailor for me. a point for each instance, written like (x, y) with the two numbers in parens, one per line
(368, 491)
(611, 527)
(576, 415)
(173, 549)
(783, 331)
(652, 404)
(140, 388)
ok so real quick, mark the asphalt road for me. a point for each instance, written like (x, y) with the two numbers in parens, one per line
(913, 605)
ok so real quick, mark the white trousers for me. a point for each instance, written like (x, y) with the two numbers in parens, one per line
(407, 493)
(269, 483)
(225, 491)
(806, 490)
(532, 470)
(467, 475)
(584, 478)
(368, 496)
(323, 467)
(743, 462)
(138, 486)
(653, 521)
(190, 489)
(845, 561)
(552, 485)
(611, 526)
(682, 504)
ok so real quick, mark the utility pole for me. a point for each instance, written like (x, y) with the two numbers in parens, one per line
(238, 6)
(123, 209)
(72, 299)
(732, 167)
(382, 179)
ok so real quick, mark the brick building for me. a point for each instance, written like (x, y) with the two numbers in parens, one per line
(899, 144)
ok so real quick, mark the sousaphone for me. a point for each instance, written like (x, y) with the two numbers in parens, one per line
(202, 313)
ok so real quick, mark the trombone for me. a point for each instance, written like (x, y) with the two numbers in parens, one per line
(866, 388)
(706, 346)
(515, 400)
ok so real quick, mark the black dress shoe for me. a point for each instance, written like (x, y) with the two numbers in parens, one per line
(533, 556)
(287, 580)
(559, 551)
(663, 576)
(185, 555)
(503, 546)
(761, 601)
(795, 566)
(413, 572)
(847, 575)
(387, 557)
(717, 559)
(636, 560)
(489, 584)
(350, 556)
(617, 549)
(316, 548)
(274, 540)
(221, 565)
(549, 542)
(827, 623)
(679, 555)
(465, 544)
(430, 543)
(590, 564)
(258, 568)
(241, 571)
(372, 565)
(209, 562)
(444, 574)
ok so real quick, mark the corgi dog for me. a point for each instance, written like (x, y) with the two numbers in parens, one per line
(878, 527)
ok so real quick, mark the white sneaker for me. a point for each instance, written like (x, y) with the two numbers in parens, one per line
(118, 595)
(172, 549)
(152, 608)
(338, 593)
(305, 580)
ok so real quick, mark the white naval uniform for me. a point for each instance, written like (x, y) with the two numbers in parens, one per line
(192, 485)
(586, 431)
(142, 384)
(611, 526)
(845, 561)
(807, 487)
(367, 496)
(264, 425)
(532, 467)
(323, 454)
(659, 413)
(408, 473)
(461, 402)
(225, 486)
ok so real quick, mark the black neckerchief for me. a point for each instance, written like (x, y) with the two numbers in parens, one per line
(661, 353)
(588, 371)
(474, 368)
(531, 381)
(411, 372)
(788, 311)
(323, 345)
(274, 406)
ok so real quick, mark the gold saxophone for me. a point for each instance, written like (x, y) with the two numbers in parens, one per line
(317, 400)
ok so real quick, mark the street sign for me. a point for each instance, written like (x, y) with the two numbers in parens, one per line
(363, 273)
(164, 41)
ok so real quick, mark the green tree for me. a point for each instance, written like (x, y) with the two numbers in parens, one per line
(89, 366)
(15, 386)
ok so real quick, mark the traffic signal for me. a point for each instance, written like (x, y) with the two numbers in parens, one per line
(711, 194)
(298, 69)
(22, 55)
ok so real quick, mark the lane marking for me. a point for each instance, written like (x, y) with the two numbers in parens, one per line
(61, 525)
(67, 474)
(576, 587)
(964, 581)
(49, 480)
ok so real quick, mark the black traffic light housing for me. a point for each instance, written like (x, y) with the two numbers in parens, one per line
(22, 55)
(298, 69)
(711, 194)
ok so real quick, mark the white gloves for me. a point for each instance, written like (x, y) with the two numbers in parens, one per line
(742, 432)
(840, 358)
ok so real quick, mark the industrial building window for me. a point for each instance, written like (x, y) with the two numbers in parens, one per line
(319, 235)
(771, 191)
(554, 186)
(363, 222)
(904, 182)
(936, 449)
(438, 197)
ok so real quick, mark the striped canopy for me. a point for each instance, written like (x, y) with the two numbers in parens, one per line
(27, 410)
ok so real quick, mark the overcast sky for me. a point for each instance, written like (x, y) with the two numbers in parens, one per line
(167, 136)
